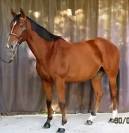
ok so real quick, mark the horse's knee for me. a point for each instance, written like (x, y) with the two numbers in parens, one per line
(62, 105)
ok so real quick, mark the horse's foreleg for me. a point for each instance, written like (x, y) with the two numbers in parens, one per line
(97, 86)
(60, 86)
(48, 91)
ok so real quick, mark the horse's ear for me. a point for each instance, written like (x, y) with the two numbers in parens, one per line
(22, 13)
(13, 13)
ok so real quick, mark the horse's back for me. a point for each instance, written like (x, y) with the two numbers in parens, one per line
(84, 59)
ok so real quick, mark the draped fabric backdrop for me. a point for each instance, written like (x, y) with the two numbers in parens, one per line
(74, 20)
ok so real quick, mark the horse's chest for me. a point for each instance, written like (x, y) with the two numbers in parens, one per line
(42, 72)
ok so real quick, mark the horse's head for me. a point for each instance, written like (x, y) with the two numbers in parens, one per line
(18, 28)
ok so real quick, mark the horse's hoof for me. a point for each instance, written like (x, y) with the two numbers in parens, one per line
(89, 122)
(111, 120)
(47, 125)
(60, 130)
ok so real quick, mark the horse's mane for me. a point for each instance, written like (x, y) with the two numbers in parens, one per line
(42, 32)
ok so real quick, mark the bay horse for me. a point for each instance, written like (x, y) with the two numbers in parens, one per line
(59, 61)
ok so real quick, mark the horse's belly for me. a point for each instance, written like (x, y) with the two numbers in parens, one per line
(82, 73)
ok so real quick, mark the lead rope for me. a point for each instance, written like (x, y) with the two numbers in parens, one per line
(12, 56)
(5, 61)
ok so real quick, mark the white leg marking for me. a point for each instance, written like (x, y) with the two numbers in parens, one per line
(92, 117)
(114, 113)
(62, 126)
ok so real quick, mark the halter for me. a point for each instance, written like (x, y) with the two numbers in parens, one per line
(13, 52)
(13, 34)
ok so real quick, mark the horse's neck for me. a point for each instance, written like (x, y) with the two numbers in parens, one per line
(38, 46)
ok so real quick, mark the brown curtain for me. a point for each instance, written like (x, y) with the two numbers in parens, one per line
(75, 20)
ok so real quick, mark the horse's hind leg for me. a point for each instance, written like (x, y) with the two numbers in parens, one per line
(48, 91)
(113, 92)
(97, 86)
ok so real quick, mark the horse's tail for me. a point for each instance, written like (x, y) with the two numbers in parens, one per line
(118, 86)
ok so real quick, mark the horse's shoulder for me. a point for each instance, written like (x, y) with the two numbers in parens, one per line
(58, 49)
